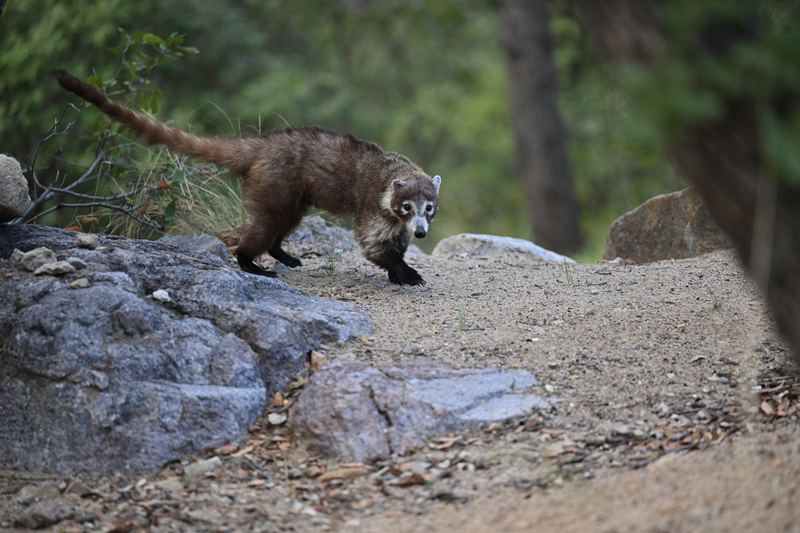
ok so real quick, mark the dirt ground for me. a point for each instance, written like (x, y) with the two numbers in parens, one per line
(678, 412)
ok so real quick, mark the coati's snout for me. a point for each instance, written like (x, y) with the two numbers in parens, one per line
(415, 202)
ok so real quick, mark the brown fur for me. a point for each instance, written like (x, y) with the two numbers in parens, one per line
(286, 172)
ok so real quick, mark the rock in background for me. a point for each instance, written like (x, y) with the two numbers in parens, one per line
(359, 413)
(107, 378)
(670, 226)
(474, 244)
(14, 197)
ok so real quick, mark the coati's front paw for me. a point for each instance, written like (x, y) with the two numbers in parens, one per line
(291, 262)
(406, 276)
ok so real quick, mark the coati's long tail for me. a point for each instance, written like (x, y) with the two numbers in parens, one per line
(233, 153)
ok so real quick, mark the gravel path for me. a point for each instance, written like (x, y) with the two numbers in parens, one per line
(678, 412)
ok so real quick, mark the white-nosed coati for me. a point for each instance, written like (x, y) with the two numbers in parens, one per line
(286, 172)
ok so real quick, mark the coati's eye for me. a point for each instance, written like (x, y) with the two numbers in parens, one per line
(406, 206)
(429, 209)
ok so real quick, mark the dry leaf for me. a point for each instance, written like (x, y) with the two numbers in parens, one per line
(243, 451)
(163, 185)
(318, 360)
(283, 446)
(226, 449)
(767, 408)
(697, 358)
(277, 400)
(342, 473)
(367, 341)
(679, 326)
(553, 432)
(143, 208)
(75, 228)
(87, 220)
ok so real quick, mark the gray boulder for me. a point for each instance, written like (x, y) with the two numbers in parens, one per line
(474, 244)
(359, 413)
(106, 378)
(14, 197)
(670, 226)
(202, 244)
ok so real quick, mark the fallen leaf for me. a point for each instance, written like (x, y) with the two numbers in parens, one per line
(342, 473)
(256, 483)
(226, 449)
(75, 228)
(143, 208)
(243, 451)
(413, 479)
(284, 446)
(318, 360)
(88, 220)
(298, 383)
(367, 341)
(679, 326)
(253, 428)
(553, 432)
(163, 185)
(767, 408)
(277, 400)
(697, 358)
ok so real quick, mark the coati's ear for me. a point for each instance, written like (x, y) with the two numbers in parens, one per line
(398, 183)
(437, 180)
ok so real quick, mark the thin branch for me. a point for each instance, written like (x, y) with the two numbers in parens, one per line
(113, 207)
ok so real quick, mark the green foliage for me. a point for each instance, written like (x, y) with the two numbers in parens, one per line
(724, 52)
(424, 79)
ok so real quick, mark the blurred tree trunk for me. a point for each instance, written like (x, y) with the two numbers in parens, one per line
(723, 157)
(541, 161)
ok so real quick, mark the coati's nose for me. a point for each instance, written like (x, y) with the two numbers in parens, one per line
(420, 233)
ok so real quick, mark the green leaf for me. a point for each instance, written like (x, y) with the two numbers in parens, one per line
(151, 38)
(176, 177)
(154, 102)
(169, 212)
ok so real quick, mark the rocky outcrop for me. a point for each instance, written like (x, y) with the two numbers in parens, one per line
(106, 377)
(202, 244)
(14, 197)
(670, 226)
(360, 413)
(473, 244)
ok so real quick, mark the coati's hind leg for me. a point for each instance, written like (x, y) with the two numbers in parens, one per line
(253, 243)
(286, 227)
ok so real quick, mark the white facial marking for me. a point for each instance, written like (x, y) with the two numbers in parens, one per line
(437, 180)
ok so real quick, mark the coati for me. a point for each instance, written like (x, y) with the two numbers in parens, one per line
(286, 172)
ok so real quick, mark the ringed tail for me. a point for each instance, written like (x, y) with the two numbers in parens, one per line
(228, 152)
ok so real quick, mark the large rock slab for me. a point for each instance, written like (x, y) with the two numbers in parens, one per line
(670, 226)
(475, 244)
(108, 378)
(14, 197)
(361, 413)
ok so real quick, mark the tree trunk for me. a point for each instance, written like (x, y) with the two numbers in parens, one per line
(724, 158)
(541, 161)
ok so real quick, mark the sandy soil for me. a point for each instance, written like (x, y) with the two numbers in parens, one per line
(679, 412)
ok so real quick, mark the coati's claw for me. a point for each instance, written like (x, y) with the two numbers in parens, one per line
(406, 276)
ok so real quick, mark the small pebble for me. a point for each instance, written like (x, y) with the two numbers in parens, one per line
(77, 262)
(87, 240)
(54, 269)
(161, 295)
(81, 283)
